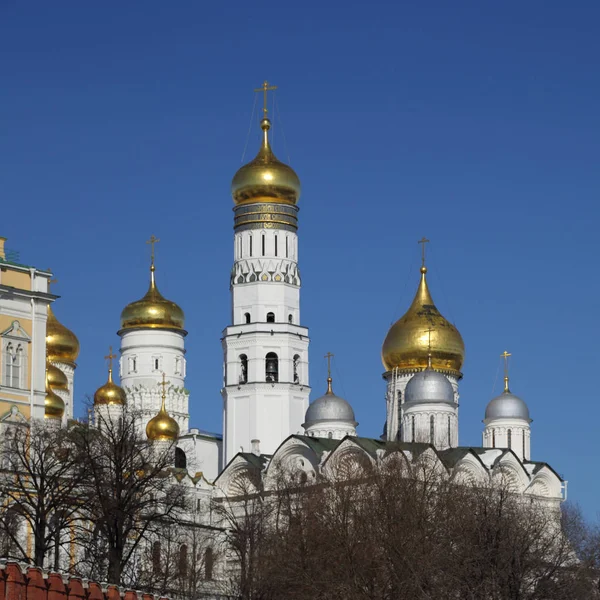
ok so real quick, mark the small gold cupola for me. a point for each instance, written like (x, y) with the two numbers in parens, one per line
(62, 345)
(110, 393)
(162, 427)
(408, 342)
(54, 406)
(153, 311)
(57, 380)
(265, 178)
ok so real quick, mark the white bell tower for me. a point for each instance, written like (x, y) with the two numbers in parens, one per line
(265, 368)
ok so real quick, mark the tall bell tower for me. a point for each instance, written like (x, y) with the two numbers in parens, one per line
(265, 368)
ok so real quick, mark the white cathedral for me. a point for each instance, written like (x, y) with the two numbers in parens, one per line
(268, 418)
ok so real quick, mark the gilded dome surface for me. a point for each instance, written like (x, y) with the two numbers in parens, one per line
(110, 393)
(265, 178)
(153, 311)
(57, 380)
(54, 406)
(406, 345)
(162, 427)
(61, 343)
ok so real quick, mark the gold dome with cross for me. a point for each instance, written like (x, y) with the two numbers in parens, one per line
(162, 427)
(153, 311)
(265, 178)
(406, 346)
(110, 393)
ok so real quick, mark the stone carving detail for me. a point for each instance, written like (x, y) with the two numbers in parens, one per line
(256, 269)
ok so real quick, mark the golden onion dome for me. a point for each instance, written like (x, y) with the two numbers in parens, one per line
(54, 406)
(62, 345)
(265, 179)
(162, 427)
(406, 345)
(153, 311)
(57, 380)
(110, 393)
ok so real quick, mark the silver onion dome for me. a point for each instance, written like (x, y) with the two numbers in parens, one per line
(507, 406)
(429, 386)
(329, 408)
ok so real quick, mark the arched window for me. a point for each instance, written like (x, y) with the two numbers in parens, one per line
(243, 369)
(263, 244)
(270, 317)
(8, 361)
(413, 428)
(290, 319)
(493, 438)
(432, 429)
(271, 367)
(275, 244)
(449, 432)
(156, 551)
(250, 244)
(524, 445)
(330, 434)
(287, 251)
(509, 439)
(247, 317)
(183, 560)
(18, 367)
(209, 563)
(296, 368)
(180, 459)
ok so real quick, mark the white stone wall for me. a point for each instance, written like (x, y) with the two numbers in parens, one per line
(265, 279)
(145, 355)
(203, 454)
(330, 429)
(395, 389)
(495, 435)
(445, 424)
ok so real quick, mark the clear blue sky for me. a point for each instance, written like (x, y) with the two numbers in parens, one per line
(473, 123)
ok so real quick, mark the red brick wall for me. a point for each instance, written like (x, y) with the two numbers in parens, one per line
(19, 582)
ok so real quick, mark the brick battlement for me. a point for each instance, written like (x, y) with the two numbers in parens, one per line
(23, 582)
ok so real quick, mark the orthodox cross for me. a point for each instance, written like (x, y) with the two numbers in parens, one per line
(52, 282)
(164, 384)
(423, 241)
(329, 356)
(153, 240)
(264, 89)
(505, 356)
(110, 357)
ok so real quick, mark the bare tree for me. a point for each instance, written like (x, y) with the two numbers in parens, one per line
(40, 485)
(128, 491)
(398, 531)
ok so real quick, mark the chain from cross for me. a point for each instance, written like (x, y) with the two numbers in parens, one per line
(329, 356)
(110, 357)
(264, 89)
(423, 241)
(164, 383)
(153, 240)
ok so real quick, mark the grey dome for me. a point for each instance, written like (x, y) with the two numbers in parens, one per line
(507, 406)
(429, 386)
(329, 408)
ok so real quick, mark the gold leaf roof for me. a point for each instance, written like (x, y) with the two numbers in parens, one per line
(406, 345)
(265, 178)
